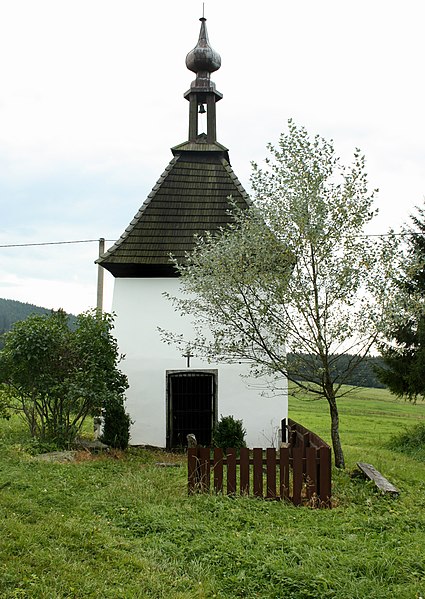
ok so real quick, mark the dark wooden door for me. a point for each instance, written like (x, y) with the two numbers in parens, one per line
(191, 407)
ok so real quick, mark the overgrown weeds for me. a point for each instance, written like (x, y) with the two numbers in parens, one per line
(411, 441)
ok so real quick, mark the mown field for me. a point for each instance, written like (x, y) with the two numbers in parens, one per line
(120, 527)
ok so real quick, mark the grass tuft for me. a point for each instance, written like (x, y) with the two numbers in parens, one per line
(411, 441)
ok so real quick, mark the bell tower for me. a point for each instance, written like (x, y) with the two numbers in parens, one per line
(202, 95)
(173, 393)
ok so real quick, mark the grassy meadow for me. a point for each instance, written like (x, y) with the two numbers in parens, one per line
(121, 527)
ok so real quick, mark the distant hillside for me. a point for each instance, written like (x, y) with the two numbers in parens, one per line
(11, 311)
(362, 376)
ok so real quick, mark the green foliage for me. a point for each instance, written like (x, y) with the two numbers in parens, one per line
(404, 353)
(404, 361)
(229, 432)
(411, 441)
(116, 422)
(4, 412)
(55, 377)
(12, 311)
(293, 273)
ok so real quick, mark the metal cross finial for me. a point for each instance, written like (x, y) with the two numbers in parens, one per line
(188, 355)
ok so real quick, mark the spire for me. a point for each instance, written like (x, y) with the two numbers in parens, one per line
(203, 61)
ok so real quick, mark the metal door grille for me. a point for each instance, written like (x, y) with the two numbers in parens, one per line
(191, 407)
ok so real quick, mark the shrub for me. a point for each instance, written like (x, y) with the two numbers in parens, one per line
(116, 422)
(411, 441)
(229, 432)
(4, 412)
(56, 376)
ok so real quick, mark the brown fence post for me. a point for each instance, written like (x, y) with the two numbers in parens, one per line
(231, 470)
(325, 475)
(258, 471)
(204, 466)
(218, 470)
(271, 473)
(244, 470)
(297, 469)
(192, 469)
(311, 471)
(284, 472)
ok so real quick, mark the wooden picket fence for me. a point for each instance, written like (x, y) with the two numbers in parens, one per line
(300, 471)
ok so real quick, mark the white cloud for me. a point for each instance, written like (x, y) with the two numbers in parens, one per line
(92, 99)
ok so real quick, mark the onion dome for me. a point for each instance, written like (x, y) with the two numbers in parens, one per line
(203, 59)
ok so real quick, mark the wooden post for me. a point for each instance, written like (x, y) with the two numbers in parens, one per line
(218, 470)
(193, 117)
(211, 119)
(311, 471)
(100, 277)
(271, 472)
(297, 468)
(231, 471)
(204, 463)
(284, 472)
(258, 471)
(244, 470)
(192, 469)
(325, 475)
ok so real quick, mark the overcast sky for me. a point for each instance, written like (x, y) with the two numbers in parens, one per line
(91, 100)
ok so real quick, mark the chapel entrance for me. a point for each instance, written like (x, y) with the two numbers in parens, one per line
(191, 407)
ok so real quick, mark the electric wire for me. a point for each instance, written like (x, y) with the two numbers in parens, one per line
(15, 245)
(18, 245)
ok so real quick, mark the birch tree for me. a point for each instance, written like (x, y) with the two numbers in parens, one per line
(295, 272)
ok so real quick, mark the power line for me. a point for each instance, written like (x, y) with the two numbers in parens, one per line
(21, 245)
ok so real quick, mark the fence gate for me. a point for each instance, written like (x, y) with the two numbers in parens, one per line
(191, 407)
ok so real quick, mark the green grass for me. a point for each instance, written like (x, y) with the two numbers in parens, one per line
(120, 527)
(410, 441)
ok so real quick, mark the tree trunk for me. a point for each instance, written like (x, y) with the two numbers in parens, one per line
(336, 440)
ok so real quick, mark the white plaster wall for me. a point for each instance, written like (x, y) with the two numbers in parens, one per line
(140, 308)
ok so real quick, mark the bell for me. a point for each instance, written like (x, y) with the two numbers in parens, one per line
(202, 109)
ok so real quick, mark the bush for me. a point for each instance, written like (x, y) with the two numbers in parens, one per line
(116, 423)
(4, 412)
(411, 441)
(55, 376)
(229, 432)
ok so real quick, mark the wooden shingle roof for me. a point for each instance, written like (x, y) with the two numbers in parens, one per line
(192, 194)
(190, 197)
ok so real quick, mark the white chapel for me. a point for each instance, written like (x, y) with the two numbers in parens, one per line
(172, 393)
